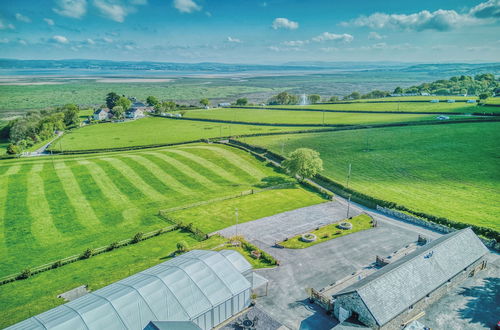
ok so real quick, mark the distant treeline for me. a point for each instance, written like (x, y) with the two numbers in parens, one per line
(483, 85)
(38, 126)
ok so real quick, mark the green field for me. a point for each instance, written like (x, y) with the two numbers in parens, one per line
(59, 206)
(458, 107)
(302, 117)
(450, 170)
(152, 130)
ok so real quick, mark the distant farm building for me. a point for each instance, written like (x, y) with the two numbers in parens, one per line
(102, 114)
(471, 101)
(442, 117)
(224, 104)
(391, 297)
(199, 289)
(450, 101)
(134, 113)
(434, 101)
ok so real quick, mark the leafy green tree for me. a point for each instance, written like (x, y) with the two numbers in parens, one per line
(242, 101)
(71, 115)
(118, 111)
(14, 149)
(398, 90)
(314, 98)
(152, 101)
(484, 96)
(354, 96)
(204, 102)
(111, 100)
(334, 99)
(124, 102)
(182, 246)
(304, 163)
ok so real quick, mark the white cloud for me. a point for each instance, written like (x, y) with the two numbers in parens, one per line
(60, 39)
(285, 49)
(326, 36)
(231, 39)
(138, 2)
(108, 40)
(186, 6)
(439, 20)
(375, 36)
(284, 23)
(90, 41)
(6, 26)
(49, 21)
(4, 41)
(21, 18)
(329, 49)
(295, 43)
(71, 8)
(22, 42)
(113, 10)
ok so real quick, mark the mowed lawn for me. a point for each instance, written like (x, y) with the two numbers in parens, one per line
(451, 171)
(51, 208)
(151, 131)
(302, 117)
(443, 106)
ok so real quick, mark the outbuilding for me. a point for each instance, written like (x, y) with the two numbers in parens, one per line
(391, 297)
(102, 114)
(199, 288)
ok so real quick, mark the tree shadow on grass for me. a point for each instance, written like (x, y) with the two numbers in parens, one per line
(483, 306)
(275, 180)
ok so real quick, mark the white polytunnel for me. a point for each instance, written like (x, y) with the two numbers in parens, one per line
(204, 287)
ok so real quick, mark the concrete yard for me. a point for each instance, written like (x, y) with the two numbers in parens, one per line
(325, 263)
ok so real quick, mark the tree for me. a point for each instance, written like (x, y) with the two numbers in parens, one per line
(304, 163)
(71, 114)
(204, 102)
(117, 111)
(152, 101)
(14, 149)
(242, 101)
(314, 98)
(484, 96)
(334, 99)
(354, 96)
(124, 102)
(182, 246)
(111, 100)
(398, 90)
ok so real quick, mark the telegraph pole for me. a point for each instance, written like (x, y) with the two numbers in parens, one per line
(236, 220)
(349, 200)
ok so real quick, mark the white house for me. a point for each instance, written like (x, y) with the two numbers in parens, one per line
(102, 114)
(442, 117)
(471, 101)
(434, 101)
(450, 101)
(134, 113)
(224, 104)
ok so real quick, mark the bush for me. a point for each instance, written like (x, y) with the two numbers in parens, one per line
(56, 264)
(87, 254)
(14, 149)
(112, 246)
(137, 238)
(26, 273)
(182, 246)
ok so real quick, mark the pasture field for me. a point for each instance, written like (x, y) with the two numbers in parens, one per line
(302, 117)
(54, 207)
(22, 299)
(92, 92)
(459, 108)
(450, 171)
(419, 98)
(152, 130)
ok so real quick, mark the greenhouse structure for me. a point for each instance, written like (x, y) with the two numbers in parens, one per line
(204, 287)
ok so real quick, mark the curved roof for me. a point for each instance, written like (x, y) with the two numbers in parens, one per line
(180, 289)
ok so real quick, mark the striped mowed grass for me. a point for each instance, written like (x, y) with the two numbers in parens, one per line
(51, 208)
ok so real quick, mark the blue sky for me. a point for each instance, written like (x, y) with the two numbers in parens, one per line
(251, 31)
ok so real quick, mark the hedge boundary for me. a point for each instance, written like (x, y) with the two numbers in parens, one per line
(367, 200)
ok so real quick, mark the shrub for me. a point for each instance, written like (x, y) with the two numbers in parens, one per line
(26, 273)
(112, 246)
(182, 246)
(56, 264)
(87, 254)
(137, 238)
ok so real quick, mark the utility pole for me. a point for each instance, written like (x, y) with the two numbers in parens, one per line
(349, 200)
(236, 219)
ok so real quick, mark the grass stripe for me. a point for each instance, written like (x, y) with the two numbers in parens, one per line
(14, 169)
(3, 213)
(96, 197)
(202, 170)
(36, 168)
(43, 226)
(233, 157)
(130, 182)
(84, 211)
(109, 189)
(207, 164)
(62, 211)
(154, 175)
(171, 164)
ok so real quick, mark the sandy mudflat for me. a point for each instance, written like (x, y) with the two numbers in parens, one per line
(131, 80)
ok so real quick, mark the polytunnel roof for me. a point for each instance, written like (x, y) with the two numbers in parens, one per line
(179, 289)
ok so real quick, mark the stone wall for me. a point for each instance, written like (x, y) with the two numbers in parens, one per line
(353, 303)
(490, 243)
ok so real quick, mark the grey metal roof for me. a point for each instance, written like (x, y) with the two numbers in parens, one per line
(397, 286)
(179, 289)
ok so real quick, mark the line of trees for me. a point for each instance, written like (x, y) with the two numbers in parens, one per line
(38, 126)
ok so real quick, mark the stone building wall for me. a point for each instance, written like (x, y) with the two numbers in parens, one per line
(353, 303)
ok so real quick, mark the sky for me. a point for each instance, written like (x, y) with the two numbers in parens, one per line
(251, 31)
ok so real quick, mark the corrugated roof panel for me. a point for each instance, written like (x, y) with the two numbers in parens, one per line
(96, 312)
(28, 324)
(237, 260)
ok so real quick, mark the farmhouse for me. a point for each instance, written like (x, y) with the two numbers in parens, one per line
(393, 296)
(200, 287)
(134, 113)
(224, 104)
(434, 101)
(102, 114)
